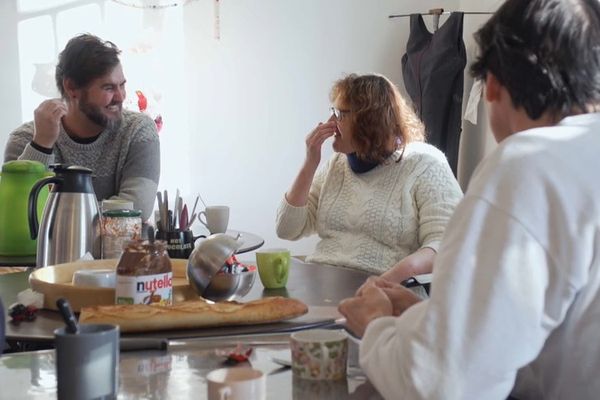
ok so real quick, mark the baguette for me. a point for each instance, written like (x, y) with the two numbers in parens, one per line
(193, 314)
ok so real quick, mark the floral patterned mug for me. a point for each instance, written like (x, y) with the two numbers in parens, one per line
(319, 354)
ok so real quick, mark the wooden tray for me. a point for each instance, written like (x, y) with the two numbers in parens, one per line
(55, 282)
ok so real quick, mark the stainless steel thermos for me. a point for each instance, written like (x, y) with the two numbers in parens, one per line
(71, 222)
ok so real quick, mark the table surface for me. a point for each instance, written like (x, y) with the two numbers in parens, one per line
(180, 372)
(321, 287)
(17, 261)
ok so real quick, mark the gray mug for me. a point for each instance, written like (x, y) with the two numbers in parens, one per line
(87, 363)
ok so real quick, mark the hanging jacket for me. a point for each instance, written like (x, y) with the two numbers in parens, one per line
(433, 70)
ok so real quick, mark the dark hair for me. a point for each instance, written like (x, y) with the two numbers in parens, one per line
(546, 53)
(85, 58)
(379, 114)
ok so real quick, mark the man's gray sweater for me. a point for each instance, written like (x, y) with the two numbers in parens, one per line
(125, 161)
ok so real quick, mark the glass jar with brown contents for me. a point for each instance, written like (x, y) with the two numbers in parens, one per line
(144, 274)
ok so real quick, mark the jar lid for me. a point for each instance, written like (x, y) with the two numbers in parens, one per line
(122, 213)
(116, 204)
(24, 166)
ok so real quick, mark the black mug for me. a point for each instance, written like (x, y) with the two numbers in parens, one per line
(179, 243)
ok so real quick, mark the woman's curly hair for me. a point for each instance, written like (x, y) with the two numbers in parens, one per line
(379, 115)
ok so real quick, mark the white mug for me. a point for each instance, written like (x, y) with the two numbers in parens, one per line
(216, 218)
(238, 383)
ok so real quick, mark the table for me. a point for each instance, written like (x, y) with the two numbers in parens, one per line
(251, 242)
(319, 286)
(17, 261)
(180, 372)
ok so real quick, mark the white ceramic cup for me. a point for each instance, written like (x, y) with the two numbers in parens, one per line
(95, 277)
(319, 354)
(216, 218)
(238, 383)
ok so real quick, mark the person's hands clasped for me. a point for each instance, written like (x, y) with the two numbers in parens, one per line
(376, 298)
(315, 140)
(373, 280)
(361, 310)
(47, 119)
(400, 297)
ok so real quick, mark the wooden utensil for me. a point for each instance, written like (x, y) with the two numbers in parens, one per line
(161, 206)
(183, 219)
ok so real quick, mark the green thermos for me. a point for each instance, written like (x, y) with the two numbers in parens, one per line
(16, 180)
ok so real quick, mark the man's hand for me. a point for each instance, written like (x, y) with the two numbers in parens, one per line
(377, 281)
(400, 297)
(47, 119)
(361, 310)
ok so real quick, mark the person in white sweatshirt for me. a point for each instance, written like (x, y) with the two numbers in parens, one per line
(515, 298)
(382, 202)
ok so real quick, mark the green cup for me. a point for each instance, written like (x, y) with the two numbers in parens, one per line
(273, 267)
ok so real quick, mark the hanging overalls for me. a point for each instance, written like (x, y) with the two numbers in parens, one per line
(433, 69)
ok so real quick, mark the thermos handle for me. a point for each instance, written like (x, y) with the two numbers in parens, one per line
(33, 200)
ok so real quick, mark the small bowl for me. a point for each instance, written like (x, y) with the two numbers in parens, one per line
(95, 278)
(225, 287)
(208, 258)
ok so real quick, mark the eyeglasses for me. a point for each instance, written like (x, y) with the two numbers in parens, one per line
(339, 114)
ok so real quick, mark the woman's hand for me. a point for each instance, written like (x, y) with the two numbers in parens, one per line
(315, 140)
(417, 263)
(298, 194)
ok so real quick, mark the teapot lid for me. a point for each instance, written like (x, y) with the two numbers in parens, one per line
(62, 168)
(23, 167)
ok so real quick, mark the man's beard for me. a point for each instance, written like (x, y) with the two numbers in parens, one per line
(95, 114)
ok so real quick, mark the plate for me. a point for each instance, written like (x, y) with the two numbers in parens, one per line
(55, 282)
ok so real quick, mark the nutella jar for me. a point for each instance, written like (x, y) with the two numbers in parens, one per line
(144, 274)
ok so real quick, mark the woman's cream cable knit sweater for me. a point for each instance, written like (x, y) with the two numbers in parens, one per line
(370, 221)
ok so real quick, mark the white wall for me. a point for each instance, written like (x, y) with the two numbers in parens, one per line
(237, 109)
(264, 85)
(476, 140)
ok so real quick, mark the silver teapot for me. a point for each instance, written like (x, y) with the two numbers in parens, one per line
(208, 259)
(70, 225)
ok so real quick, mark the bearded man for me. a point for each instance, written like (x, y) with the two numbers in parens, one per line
(89, 127)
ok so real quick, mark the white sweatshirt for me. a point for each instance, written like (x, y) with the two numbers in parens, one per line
(516, 282)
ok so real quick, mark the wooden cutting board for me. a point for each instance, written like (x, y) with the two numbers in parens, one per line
(55, 282)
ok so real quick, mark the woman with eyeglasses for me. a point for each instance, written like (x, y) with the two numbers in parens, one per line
(382, 202)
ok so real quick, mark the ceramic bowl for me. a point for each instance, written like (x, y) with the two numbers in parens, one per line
(95, 278)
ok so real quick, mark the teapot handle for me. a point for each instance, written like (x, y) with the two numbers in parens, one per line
(33, 200)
